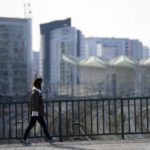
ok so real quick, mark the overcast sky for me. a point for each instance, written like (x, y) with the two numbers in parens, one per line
(100, 18)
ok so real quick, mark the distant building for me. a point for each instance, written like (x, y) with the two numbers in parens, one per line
(36, 63)
(113, 47)
(59, 38)
(15, 56)
(46, 55)
(146, 52)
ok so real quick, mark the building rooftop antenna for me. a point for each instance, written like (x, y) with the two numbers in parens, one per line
(27, 9)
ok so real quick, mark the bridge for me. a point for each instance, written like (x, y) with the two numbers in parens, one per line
(81, 123)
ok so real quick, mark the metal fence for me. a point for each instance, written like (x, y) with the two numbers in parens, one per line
(86, 117)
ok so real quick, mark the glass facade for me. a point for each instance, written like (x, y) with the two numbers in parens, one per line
(13, 59)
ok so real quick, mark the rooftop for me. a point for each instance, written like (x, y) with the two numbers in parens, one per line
(7, 19)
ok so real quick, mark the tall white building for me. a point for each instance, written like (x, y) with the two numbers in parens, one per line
(15, 56)
(63, 42)
(59, 38)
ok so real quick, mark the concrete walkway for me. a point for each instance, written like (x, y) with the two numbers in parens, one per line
(140, 144)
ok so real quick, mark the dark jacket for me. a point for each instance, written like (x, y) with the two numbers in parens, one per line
(36, 103)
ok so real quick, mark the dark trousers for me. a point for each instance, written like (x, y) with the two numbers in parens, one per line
(32, 123)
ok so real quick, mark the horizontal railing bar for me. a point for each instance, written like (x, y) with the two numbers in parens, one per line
(74, 100)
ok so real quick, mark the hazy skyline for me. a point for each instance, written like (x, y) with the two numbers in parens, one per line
(95, 18)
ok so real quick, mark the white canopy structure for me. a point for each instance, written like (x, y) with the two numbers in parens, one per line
(125, 73)
(92, 70)
(145, 75)
(121, 73)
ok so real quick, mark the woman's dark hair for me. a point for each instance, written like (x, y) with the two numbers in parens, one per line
(37, 83)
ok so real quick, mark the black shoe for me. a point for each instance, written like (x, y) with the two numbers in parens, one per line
(25, 142)
(52, 140)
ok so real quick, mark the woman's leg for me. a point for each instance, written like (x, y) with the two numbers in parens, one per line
(30, 126)
(43, 124)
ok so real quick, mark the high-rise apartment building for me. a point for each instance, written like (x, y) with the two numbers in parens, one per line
(15, 56)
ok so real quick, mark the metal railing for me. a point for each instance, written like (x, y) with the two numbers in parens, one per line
(70, 118)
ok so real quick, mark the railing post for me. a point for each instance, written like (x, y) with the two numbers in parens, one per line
(60, 123)
(122, 120)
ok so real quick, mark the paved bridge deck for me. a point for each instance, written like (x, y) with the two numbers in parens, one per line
(137, 144)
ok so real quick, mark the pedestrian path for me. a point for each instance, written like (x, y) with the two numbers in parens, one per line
(137, 144)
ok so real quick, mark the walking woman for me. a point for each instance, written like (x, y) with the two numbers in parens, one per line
(37, 111)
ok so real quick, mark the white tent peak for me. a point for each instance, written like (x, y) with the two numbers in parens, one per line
(93, 61)
(123, 61)
(145, 62)
(69, 60)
